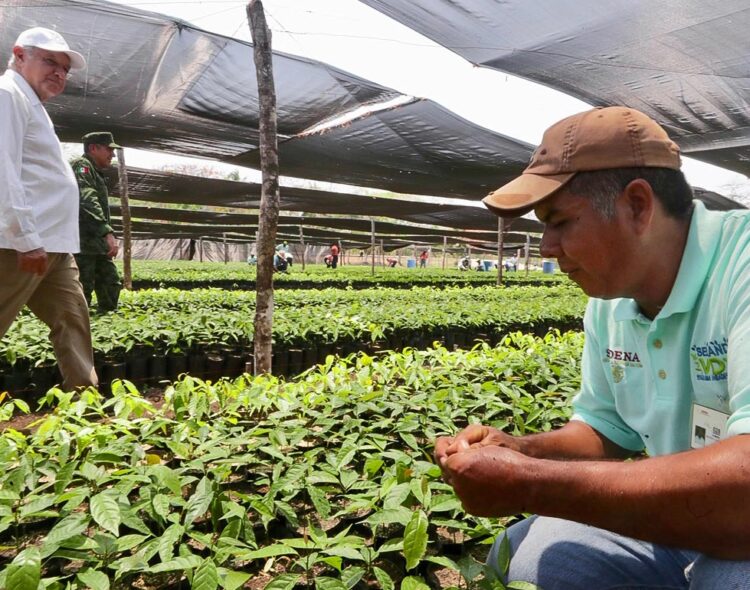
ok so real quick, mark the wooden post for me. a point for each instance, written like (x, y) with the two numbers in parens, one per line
(269, 196)
(127, 245)
(382, 253)
(500, 241)
(528, 253)
(200, 249)
(226, 247)
(304, 248)
(372, 245)
(445, 249)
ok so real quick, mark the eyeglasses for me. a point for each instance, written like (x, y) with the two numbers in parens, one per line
(51, 63)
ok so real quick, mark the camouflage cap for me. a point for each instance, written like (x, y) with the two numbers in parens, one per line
(100, 138)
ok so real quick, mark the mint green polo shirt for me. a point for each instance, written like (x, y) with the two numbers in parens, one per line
(641, 377)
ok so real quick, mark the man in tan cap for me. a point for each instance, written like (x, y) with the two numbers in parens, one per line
(39, 204)
(664, 375)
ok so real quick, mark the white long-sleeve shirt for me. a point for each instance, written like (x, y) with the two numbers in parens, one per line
(38, 191)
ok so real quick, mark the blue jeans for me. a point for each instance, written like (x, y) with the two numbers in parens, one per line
(559, 554)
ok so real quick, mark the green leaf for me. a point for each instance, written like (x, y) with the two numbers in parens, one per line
(503, 556)
(131, 520)
(177, 564)
(93, 579)
(384, 580)
(25, 571)
(106, 512)
(470, 568)
(343, 551)
(415, 539)
(325, 583)
(206, 577)
(392, 545)
(398, 515)
(168, 540)
(199, 502)
(127, 542)
(319, 500)
(160, 502)
(413, 583)
(410, 441)
(167, 478)
(444, 561)
(268, 551)
(231, 580)
(444, 503)
(283, 582)
(131, 563)
(8, 496)
(334, 561)
(69, 526)
(351, 576)
(38, 504)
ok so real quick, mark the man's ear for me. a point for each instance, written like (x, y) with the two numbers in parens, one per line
(19, 53)
(638, 204)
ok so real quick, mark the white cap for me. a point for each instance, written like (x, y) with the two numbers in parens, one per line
(51, 41)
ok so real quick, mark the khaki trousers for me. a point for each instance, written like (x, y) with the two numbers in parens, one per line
(57, 299)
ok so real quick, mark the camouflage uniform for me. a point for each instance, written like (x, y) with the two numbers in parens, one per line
(97, 271)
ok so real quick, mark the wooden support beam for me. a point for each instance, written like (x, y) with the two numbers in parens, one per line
(269, 196)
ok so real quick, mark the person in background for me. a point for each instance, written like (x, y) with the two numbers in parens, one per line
(664, 372)
(280, 263)
(335, 255)
(392, 262)
(98, 243)
(423, 256)
(39, 204)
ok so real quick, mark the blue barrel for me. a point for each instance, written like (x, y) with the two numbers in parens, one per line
(487, 264)
(548, 267)
(411, 263)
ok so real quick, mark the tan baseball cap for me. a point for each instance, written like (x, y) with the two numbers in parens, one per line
(599, 139)
(51, 41)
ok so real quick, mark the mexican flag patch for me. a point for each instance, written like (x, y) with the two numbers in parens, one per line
(83, 169)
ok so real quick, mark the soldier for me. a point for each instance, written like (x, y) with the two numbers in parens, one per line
(98, 243)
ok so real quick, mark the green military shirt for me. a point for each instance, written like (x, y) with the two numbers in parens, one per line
(93, 215)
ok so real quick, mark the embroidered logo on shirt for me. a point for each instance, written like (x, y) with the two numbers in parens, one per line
(710, 360)
(83, 169)
(620, 359)
(623, 357)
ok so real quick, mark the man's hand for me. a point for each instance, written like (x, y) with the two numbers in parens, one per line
(490, 480)
(112, 247)
(474, 436)
(33, 261)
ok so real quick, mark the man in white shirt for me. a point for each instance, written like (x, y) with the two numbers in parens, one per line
(39, 204)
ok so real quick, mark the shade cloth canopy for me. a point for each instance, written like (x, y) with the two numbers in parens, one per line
(160, 83)
(684, 63)
(171, 187)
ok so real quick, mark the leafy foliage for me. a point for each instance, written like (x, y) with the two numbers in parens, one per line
(174, 320)
(324, 481)
(184, 274)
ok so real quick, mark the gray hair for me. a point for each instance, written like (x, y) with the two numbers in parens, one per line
(12, 61)
(603, 187)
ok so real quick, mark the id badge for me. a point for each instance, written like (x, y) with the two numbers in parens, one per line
(707, 427)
